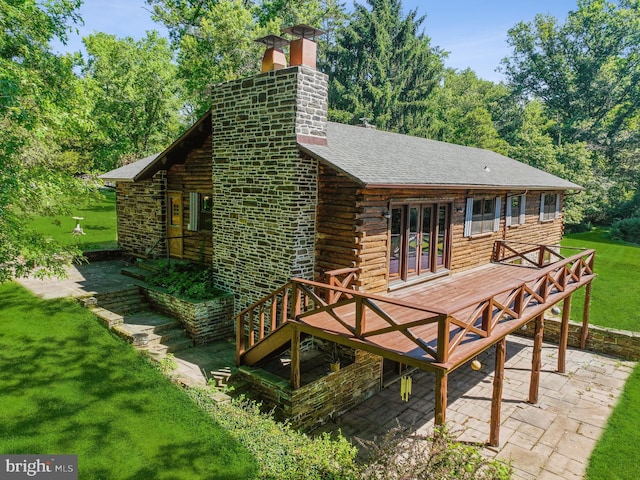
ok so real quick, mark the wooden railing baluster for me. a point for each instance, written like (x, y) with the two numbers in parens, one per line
(302, 298)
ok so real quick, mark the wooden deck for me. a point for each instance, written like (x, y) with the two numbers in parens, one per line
(436, 325)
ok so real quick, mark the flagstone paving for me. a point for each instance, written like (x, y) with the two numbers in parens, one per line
(551, 440)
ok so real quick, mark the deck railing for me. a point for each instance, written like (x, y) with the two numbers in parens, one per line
(481, 317)
(349, 309)
(530, 254)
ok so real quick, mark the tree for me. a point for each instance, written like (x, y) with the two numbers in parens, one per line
(214, 40)
(34, 87)
(595, 51)
(134, 95)
(383, 68)
(459, 111)
(587, 74)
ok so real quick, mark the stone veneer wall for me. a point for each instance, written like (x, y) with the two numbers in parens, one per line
(327, 397)
(265, 191)
(609, 341)
(205, 321)
(141, 216)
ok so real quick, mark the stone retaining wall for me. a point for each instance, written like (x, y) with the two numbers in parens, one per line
(325, 398)
(618, 343)
(205, 320)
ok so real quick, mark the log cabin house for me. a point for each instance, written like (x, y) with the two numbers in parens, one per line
(394, 248)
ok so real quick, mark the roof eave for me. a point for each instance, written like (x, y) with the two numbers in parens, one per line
(469, 186)
(161, 161)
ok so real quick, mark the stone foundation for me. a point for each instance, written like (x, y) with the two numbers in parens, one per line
(618, 343)
(325, 398)
(205, 320)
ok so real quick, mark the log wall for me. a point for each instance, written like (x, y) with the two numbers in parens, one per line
(352, 230)
(194, 175)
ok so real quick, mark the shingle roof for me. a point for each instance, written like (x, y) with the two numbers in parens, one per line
(377, 158)
(128, 173)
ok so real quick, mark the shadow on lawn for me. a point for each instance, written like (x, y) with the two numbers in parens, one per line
(69, 386)
(599, 235)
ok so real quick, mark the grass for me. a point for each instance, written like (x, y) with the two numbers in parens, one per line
(616, 454)
(614, 304)
(615, 293)
(99, 224)
(68, 386)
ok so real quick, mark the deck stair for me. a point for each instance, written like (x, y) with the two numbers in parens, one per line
(131, 317)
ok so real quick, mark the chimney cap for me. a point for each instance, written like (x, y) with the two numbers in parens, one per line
(304, 31)
(273, 41)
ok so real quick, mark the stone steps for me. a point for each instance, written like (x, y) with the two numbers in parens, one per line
(123, 302)
(130, 316)
(136, 272)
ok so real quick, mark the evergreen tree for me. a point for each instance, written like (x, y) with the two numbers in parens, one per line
(383, 68)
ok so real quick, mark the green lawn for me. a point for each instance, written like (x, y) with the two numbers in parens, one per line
(99, 224)
(615, 303)
(615, 296)
(68, 386)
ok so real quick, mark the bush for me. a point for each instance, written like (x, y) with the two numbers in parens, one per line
(581, 227)
(286, 454)
(281, 452)
(627, 229)
(188, 280)
(405, 454)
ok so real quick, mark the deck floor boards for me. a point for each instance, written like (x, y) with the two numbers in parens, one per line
(456, 295)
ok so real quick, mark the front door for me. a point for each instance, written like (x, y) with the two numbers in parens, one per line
(419, 240)
(174, 223)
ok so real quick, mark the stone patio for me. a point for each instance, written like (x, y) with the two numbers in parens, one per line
(550, 440)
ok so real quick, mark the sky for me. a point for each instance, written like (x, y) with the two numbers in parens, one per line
(474, 32)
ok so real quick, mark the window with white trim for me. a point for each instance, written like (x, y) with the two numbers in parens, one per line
(482, 215)
(549, 206)
(516, 205)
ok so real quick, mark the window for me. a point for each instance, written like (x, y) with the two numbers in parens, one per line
(419, 239)
(515, 210)
(206, 210)
(482, 215)
(549, 206)
(200, 210)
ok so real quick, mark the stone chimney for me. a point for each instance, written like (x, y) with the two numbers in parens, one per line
(265, 189)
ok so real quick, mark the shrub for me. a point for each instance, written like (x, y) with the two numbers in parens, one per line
(581, 227)
(281, 452)
(188, 280)
(627, 229)
(405, 454)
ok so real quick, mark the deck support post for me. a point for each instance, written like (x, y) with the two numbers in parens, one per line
(536, 362)
(585, 317)
(564, 335)
(441, 397)
(295, 358)
(496, 399)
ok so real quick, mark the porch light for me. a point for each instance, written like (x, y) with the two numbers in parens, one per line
(386, 214)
